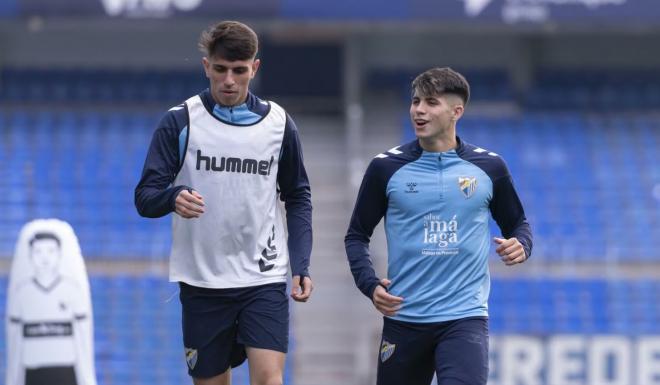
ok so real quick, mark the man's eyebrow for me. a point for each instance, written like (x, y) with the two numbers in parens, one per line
(231, 66)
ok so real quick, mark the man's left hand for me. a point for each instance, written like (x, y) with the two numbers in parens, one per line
(510, 250)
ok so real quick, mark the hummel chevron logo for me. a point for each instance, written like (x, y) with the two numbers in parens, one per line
(479, 150)
(412, 187)
(268, 253)
(393, 151)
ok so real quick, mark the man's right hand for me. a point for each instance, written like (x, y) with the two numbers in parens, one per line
(189, 204)
(384, 301)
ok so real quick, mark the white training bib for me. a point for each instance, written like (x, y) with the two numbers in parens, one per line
(239, 241)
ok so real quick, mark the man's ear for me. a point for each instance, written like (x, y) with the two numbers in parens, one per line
(255, 66)
(207, 66)
(458, 111)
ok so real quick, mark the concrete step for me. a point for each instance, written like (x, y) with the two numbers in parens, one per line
(336, 333)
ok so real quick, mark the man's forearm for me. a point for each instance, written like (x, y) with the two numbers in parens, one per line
(299, 226)
(361, 266)
(151, 202)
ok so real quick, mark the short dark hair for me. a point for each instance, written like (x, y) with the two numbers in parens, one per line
(441, 81)
(42, 236)
(230, 40)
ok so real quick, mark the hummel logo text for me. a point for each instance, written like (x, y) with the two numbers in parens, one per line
(245, 166)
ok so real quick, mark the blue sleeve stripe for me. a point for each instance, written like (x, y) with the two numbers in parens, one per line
(183, 139)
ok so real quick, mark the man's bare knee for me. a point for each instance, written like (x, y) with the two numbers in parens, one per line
(274, 380)
(266, 366)
(220, 379)
(266, 378)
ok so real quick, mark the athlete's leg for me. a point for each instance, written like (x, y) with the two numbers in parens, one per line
(209, 334)
(461, 355)
(263, 328)
(406, 354)
(221, 379)
(266, 366)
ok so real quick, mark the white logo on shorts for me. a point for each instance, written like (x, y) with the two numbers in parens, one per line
(191, 357)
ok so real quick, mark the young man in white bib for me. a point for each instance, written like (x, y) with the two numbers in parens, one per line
(220, 161)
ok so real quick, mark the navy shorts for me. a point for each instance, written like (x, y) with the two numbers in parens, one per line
(457, 351)
(219, 323)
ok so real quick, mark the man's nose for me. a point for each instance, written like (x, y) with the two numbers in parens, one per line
(229, 78)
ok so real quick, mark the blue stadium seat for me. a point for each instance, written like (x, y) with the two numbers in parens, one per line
(594, 90)
(90, 86)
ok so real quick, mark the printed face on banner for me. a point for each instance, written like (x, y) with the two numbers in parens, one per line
(45, 255)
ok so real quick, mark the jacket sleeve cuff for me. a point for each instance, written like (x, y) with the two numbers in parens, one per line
(175, 193)
(370, 290)
(304, 273)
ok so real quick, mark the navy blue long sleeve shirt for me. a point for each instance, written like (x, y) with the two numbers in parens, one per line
(436, 207)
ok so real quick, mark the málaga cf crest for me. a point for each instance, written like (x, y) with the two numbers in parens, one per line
(386, 350)
(191, 357)
(467, 184)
